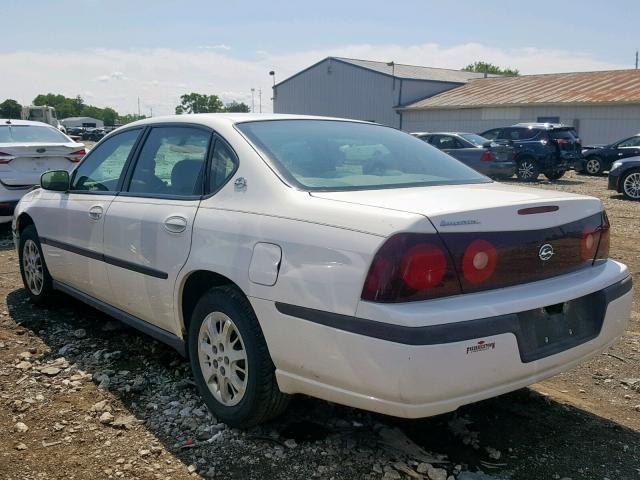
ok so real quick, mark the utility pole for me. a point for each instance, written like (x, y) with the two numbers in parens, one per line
(151, 111)
(253, 102)
(138, 107)
(636, 59)
(260, 99)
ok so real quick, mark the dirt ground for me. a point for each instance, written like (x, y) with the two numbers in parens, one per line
(82, 396)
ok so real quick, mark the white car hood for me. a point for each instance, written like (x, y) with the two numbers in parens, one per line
(476, 207)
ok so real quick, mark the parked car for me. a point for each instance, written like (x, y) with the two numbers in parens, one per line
(340, 259)
(27, 149)
(93, 134)
(490, 158)
(75, 131)
(624, 177)
(598, 158)
(547, 148)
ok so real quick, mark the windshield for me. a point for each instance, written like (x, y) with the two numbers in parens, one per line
(475, 139)
(30, 133)
(335, 155)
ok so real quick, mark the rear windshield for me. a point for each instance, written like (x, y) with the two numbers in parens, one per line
(475, 139)
(30, 133)
(563, 134)
(335, 155)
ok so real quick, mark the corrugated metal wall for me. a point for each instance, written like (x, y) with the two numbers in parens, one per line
(337, 89)
(595, 124)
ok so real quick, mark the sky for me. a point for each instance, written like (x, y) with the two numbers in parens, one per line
(114, 52)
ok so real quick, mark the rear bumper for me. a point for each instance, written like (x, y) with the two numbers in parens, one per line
(613, 182)
(500, 169)
(408, 363)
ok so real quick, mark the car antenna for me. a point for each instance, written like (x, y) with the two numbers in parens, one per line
(9, 122)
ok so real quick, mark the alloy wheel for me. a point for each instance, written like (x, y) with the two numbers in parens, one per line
(32, 264)
(525, 170)
(631, 185)
(223, 358)
(593, 166)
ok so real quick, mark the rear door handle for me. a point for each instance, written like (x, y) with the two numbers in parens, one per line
(95, 212)
(175, 224)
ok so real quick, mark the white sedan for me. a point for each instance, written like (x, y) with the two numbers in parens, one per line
(27, 149)
(340, 259)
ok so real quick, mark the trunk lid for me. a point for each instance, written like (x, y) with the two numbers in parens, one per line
(29, 161)
(488, 207)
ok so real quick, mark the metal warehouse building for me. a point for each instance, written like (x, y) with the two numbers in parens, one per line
(363, 89)
(602, 106)
(82, 122)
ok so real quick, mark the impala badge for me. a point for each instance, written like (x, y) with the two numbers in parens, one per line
(546, 252)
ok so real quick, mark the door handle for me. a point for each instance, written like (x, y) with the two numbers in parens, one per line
(95, 212)
(175, 224)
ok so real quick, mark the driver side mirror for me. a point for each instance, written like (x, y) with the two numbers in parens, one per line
(56, 180)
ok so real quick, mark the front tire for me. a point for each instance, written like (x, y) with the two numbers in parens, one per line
(631, 185)
(33, 269)
(528, 170)
(593, 166)
(230, 360)
(554, 174)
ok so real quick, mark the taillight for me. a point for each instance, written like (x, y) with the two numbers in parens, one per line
(77, 156)
(595, 241)
(410, 267)
(5, 157)
(487, 156)
(479, 261)
(605, 239)
(589, 242)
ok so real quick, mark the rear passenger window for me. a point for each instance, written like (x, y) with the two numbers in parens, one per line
(492, 134)
(171, 162)
(520, 133)
(223, 164)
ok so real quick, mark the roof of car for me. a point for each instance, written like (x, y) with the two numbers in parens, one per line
(216, 119)
(11, 121)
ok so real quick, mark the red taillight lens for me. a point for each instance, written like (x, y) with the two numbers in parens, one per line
(487, 156)
(424, 266)
(479, 261)
(595, 241)
(589, 242)
(410, 267)
(5, 158)
(77, 156)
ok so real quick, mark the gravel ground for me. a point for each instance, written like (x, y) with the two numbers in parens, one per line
(83, 396)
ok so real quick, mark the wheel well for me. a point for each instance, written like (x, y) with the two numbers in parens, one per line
(24, 220)
(525, 156)
(196, 285)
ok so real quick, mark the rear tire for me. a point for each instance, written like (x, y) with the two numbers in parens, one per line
(593, 166)
(528, 170)
(631, 185)
(230, 360)
(33, 269)
(554, 174)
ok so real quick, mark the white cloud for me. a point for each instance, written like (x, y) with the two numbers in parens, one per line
(220, 46)
(117, 78)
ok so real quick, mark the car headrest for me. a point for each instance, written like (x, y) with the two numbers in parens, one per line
(184, 177)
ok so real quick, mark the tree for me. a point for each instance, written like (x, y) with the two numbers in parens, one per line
(10, 109)
(237, 107)
(130, 117)
(199, 103)
(482, 67)
(109, 116)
